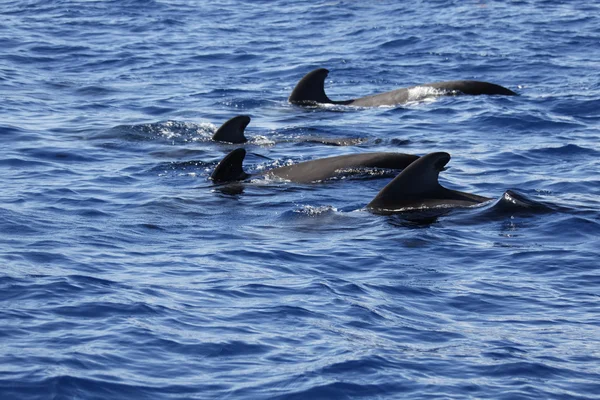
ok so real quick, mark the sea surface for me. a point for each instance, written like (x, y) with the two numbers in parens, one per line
(125, 273)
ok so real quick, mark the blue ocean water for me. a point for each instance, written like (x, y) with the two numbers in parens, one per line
(127, 274)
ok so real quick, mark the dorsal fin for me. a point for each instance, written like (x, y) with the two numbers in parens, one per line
(311, 88)
(418, 179)
(232, 131)
(230, 168)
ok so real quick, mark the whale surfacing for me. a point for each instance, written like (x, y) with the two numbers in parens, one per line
(230, 168)
(311, 90)
(417, 187)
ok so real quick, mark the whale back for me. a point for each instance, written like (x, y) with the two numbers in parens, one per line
(473, 88)
(325, 168)
(230, 168)
(232, 131)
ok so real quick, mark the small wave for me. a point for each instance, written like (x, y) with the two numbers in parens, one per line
(400, 142)
(234, 348)
(21, 163)
(181, 165)
(179, 153)
(260, 140)
(12, 132)
(312, 211)
(102, 386)
(246, 104)
(58, 155)
(398, 43)
(342, 390)
(190, 168)
(95, 91)
(174, 131)
(55, 49)
(523, 122)
(101, 310)
(524, 369)
(155, 110)
(511, 159)
(567, 150)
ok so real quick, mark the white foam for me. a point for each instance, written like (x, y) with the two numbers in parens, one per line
(419, 94)
(312, 211)
(262, 141)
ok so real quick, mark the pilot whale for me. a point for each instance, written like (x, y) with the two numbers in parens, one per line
(417, 187)
(311, 90)
(232, 131)
(231, 169)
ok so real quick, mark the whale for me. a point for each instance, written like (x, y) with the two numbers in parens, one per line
(417, 187)
(230, 168)
(310, 90)
(232, 131)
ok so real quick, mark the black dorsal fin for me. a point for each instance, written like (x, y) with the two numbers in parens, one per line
(420, 178)
(230, 168)
(311, 88)
(232, 131)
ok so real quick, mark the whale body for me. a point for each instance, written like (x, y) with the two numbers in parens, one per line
(417, 187)
(311, 90)
(231, 169)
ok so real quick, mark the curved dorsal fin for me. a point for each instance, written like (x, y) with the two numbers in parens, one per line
(232, 131)
(311, 88)
(230, 168)
(420, 178)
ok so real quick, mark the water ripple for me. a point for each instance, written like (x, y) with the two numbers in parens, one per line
(128, 274)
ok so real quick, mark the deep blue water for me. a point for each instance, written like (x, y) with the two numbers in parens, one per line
(127, 274)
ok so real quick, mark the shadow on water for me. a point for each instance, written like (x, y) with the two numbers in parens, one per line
(415, 219)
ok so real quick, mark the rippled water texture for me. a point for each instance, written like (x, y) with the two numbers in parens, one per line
(127, 274)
